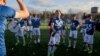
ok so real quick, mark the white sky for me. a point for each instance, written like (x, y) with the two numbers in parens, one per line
(63, 5)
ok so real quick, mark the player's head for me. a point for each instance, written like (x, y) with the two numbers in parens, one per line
(57, 13)
(25, 22)
(84, 14)
(3, 2)
(35, 15)
(89, 16)
(74, 17)
(30, 16)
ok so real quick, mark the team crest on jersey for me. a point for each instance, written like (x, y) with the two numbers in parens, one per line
(59, 23)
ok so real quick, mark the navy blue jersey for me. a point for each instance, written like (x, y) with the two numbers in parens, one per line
(84, 17)
(90, 26)
(35, 22)
(58, 23)
(5, 13)
(21, 23)
(74, 24)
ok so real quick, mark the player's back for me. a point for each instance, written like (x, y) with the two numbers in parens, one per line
(35, 22)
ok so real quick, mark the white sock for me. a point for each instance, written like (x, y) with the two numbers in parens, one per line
(39, 40)
(54, 49)
(74, 44)
(30, 35)
(17, 38)
(86, 46)
(35, 41)
(27, 35)
(63, 41)
(23, 40)
(69, 45)
(49, 50)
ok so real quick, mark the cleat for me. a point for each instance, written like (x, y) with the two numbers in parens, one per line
(90, 51)
(52, 54)
(86, 49)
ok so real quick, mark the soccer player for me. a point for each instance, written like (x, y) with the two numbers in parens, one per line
(21, 32)
(83, 28)
(5, 13)
(36, 29)
(56, 25)
(73, 32)
(29, 27)
(88, 38)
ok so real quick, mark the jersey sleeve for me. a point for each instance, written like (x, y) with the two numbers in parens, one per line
(7, 12)
(49, 24)
(52, 20)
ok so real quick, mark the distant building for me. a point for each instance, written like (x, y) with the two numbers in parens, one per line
(94, 10)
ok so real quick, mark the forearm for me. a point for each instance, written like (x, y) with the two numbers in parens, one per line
(22, 6)
(23, 12)
(52, 27)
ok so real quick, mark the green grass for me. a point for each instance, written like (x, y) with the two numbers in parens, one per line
(34, 50)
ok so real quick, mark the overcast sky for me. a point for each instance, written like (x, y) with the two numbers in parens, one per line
(63, 5)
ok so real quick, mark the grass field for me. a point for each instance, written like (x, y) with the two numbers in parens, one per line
(34, 50)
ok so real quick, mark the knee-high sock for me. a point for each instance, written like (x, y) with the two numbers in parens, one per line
(17, 38)
(69, 43)
(23, 39)
(90, 46)
(38, 40)
(54, 49)
(49, 50)
(74, 43)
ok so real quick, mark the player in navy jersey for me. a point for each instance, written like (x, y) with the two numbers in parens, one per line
(5, 13)
(56, 25)
(73, 32)
(83, 28)
(28, 27)
(21, 32)
(88, 38)
(36, 29)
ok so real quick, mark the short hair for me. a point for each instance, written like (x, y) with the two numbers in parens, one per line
(58, 11)
(89, 15)
(73, 15)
